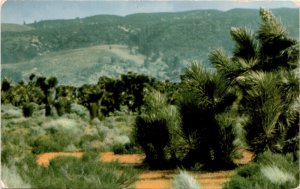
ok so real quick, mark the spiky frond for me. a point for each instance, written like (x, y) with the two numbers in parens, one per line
(263, 102)
(277, 49)
(291, 55)
(232, 68)
(245, 45)
(271, 27)
(224, 65)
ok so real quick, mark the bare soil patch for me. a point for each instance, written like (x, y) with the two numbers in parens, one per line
(157, 179)
(44, 159)
(163, 179)
(247, 156)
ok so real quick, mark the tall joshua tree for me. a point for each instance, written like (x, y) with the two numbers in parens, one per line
(263, 69)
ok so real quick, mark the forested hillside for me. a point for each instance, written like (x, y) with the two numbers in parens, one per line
(171, 40)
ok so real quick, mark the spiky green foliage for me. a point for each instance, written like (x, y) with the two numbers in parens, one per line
(270, 49)
(157, 130)
(277, 49)
(263, 70)
(262, 99)
(245, 46)
(205, 97)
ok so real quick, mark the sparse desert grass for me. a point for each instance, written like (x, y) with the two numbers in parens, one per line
(22, 137)
(185, 181)
(80, 110)
(88, 172)
(268, 171)
(10, 111)
(11, 178)
(70, 132)
(276, 175)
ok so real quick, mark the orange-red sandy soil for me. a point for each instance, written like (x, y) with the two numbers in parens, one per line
(154, 179)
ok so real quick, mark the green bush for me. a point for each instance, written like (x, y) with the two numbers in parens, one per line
(128, 148)
(207, 121)
(62, 105)
(28, 109)
(153, 136)
(270, 170)
(157, 131)
(53, 142)
(45, 144)
(72, 172)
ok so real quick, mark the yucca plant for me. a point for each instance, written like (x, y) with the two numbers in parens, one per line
(205, 96)
(263, 69)
(157, 130)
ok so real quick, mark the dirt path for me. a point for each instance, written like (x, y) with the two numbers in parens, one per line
(247, 157)
(44, 159)
(162, 179)
(154, 179)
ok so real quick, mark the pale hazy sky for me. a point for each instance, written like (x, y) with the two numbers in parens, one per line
(18, 11)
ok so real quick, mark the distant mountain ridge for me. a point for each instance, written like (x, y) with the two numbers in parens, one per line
(168, 39)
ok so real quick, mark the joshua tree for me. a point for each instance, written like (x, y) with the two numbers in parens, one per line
(48, 88)
(206, 98)
(158, 132)
(263, 69)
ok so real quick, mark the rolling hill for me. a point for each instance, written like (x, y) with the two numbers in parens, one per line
(85, 65)
(158, 44)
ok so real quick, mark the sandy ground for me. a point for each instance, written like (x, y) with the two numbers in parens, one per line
(157, 179)
(162, 179)
(43, 159)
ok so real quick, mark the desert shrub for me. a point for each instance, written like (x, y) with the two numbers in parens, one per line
(157, 130)
(226, 136)
(276, 175)
(87, 140)
(11, 178)
(90, 156)
(113, 132)
(66, 125)
(72, 172)
(207, 121)
(153, 136)
(185, 181)
(60, 134)
(268, 171)
(62, 105)
(46, 144)
(129, 148)
(28, 109)
(9, 111)
(115, 137)
(80, 110)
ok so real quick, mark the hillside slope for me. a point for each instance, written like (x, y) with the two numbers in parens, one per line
(84, 65)
(167, 40)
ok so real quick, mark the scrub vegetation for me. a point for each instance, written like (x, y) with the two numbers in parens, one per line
(248, 99)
